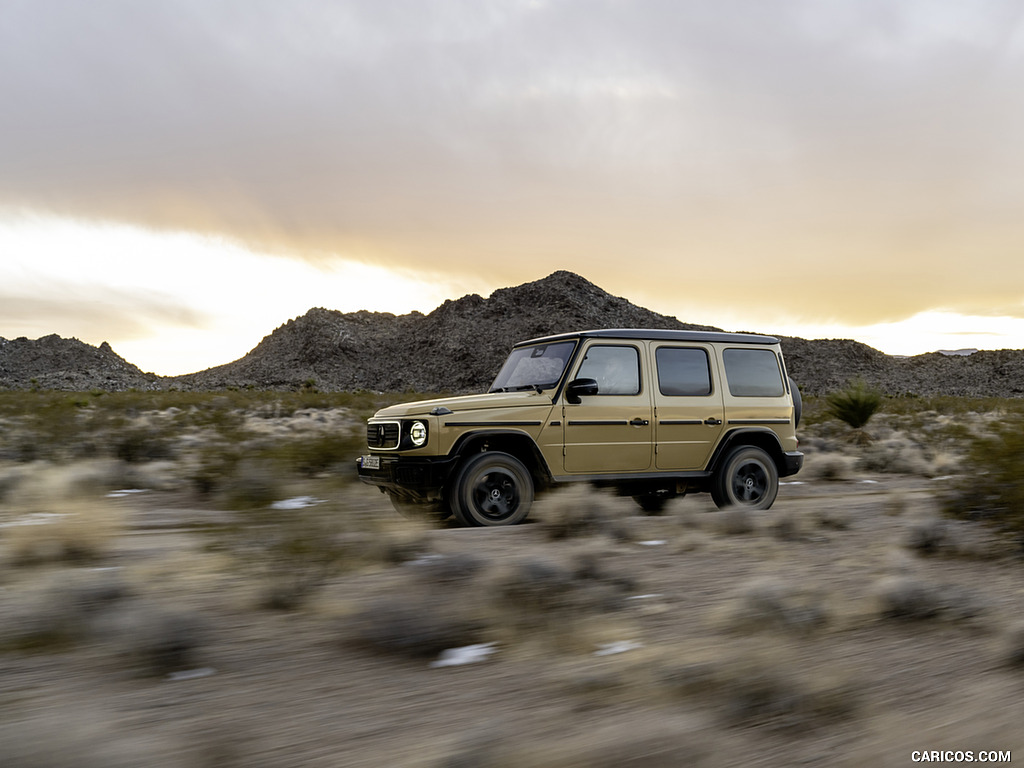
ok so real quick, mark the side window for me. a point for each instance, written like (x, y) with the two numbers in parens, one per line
(683, 372)
(753, 373)
(616, 369)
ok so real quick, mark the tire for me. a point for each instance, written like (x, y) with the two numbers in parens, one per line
(430, 512)
(798, 402)
(492, 488)
(747, 478)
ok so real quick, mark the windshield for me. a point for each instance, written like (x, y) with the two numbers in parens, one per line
(537, 367)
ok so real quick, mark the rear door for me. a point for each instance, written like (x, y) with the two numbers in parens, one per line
(688, 405)
(610, 431)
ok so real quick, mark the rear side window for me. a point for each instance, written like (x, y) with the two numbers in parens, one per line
(616, 369)
(753, 373)
(683, 372)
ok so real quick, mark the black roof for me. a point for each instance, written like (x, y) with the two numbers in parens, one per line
(660, 335)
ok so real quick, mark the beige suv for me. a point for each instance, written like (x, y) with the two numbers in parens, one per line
(653, 414)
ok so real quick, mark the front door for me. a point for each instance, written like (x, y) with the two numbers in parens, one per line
(611, 431)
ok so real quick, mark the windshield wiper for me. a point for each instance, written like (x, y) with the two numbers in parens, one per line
(521, 388)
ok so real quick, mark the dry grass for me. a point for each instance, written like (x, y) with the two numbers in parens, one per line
(53, 516)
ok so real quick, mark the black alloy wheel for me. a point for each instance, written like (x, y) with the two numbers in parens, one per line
(492, 488)
(747, 478)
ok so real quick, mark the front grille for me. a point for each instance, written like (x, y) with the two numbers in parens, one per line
(383, 434)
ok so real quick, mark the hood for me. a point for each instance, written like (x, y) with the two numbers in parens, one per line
(465, 403)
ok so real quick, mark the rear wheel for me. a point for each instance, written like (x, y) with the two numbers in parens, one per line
(747, 478)
(492, 488)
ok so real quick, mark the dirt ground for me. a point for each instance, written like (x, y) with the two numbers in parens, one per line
(830, 630)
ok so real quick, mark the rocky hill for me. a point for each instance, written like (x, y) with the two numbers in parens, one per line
(56, 363)
(461, 344)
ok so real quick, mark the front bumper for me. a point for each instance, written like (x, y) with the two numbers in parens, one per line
(792, 461)
(419, 479)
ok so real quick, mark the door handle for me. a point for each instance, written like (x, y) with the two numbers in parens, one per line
(638, 422)
(712, 422)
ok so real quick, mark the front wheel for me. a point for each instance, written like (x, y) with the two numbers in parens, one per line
(747, 478)
(492, 488)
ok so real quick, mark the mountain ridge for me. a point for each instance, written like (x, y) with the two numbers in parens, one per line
(460, 345)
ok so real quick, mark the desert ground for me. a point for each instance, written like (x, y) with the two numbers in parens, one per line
(193, 585)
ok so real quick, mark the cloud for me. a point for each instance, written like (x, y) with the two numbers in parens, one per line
(853, 161)
(103, 314)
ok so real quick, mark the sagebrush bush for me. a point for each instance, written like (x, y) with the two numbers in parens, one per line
(63, 531)
(735, 521)
(911, 598)
(417, 624)
(829, 466)
(992, 484)
(153, 640)
(579, 510)
(60, 611)
(856, 404)
(773, 603)
(766, 689)
(927, 536)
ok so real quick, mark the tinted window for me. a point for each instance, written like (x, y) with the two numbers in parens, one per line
(753, 373)
(683, 372)
(616, 369)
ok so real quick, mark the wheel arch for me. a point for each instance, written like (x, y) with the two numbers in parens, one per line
(510, 441)
(764, 439)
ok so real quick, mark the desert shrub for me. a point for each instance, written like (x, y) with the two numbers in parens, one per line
(416, 624)
(831, 518)
(765, 690)
(896, 504)
(534, 598)
(910, 598)
(315, 454)
(785, 526)
(992, 485)
(830, 466)
(251, 484)
(579, 511)
(772, 603)
(139, 444)
(212, 467)
(454, 569)
(153, 640)
(896, 455)
(291, 553)
(735, 521)
(62, 531)
(856, 404)
(59, 612)
(926, 536)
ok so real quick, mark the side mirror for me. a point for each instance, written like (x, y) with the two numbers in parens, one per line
(578, 388)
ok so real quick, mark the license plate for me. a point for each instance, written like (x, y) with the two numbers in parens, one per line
(371, 462)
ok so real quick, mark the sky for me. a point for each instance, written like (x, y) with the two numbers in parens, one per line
(180, 177)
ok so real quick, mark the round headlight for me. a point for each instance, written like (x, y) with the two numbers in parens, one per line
(418, 433)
